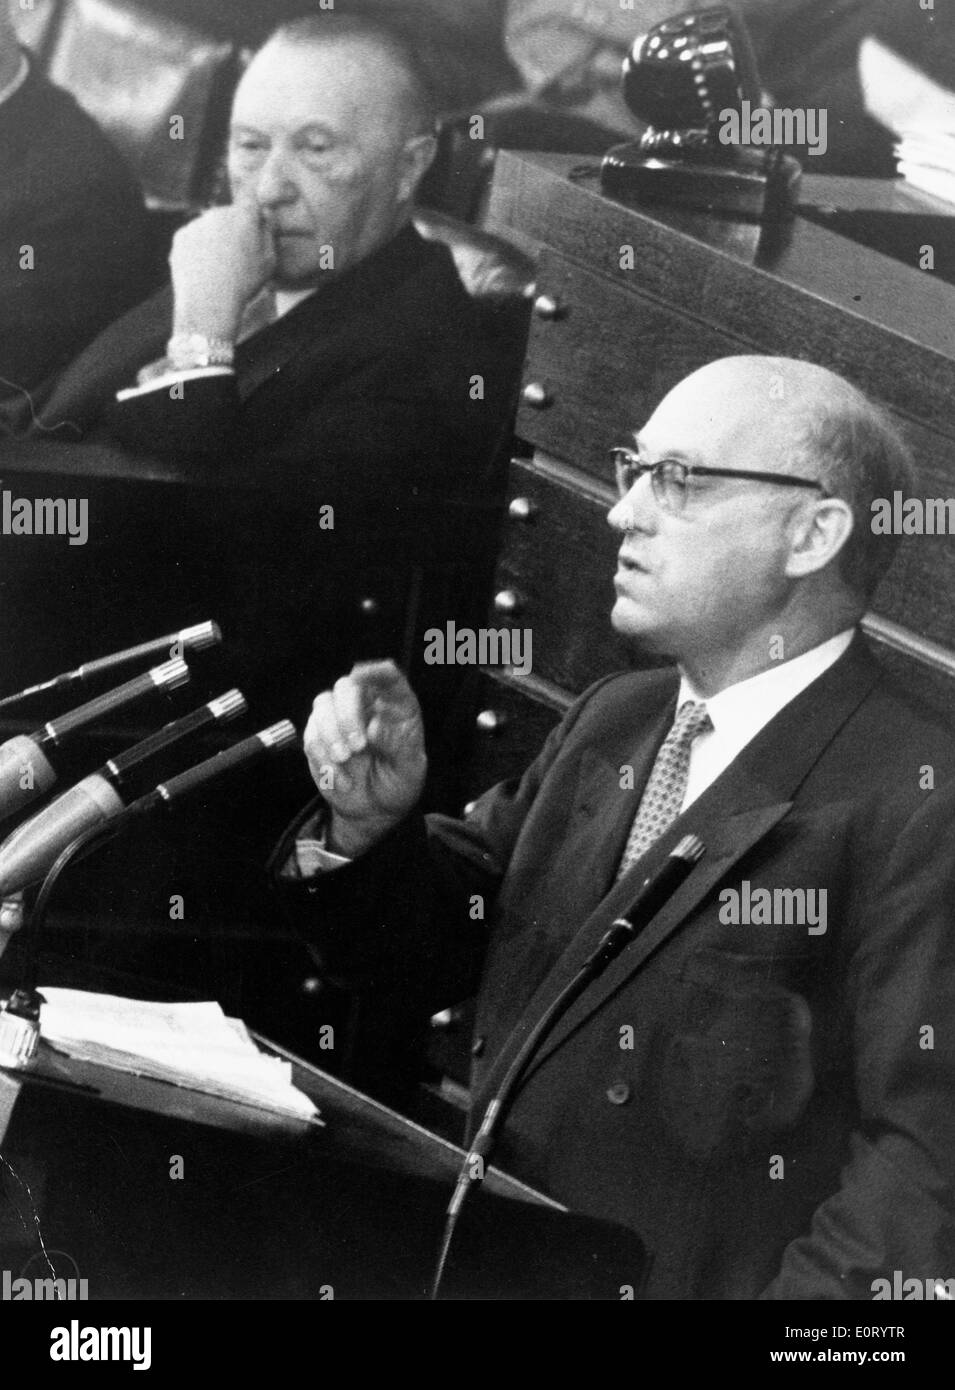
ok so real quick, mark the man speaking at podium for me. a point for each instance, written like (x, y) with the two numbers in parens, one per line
(761, 1084)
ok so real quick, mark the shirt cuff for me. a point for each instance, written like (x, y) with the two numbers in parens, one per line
(162, 383)
(310, 858)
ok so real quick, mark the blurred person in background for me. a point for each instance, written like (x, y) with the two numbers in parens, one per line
(72, 226)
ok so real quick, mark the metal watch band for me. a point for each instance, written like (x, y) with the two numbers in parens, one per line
(187, 350)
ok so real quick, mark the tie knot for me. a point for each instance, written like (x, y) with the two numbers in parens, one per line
(692, 719)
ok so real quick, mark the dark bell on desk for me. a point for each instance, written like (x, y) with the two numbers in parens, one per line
(680, 78)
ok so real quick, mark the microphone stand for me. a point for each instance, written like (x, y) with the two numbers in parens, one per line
(19, 1020)
(653, 894)
(20, 1016)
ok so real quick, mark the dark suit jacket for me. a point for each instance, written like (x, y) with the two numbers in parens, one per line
(64, 191)
(365, 399)
(363, 389)
(752, 1099)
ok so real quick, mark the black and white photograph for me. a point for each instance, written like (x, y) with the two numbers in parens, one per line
(477, 669)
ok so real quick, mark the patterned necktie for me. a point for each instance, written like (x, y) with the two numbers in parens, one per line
(662, 799)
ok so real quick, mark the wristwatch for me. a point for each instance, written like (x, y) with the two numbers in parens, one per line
(188, 350)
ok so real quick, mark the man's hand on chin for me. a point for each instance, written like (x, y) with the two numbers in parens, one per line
(219, 262)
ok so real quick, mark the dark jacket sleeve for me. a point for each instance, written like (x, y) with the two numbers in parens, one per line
(392, 437)
(894, 1209)
(403, 918)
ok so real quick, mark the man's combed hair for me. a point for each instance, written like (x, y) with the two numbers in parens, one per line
(858, 454)
(390, 35)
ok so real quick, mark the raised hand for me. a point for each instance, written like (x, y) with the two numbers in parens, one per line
(365, 747)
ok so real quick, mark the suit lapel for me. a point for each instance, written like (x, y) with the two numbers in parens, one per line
(754, 793)
(725, 844)
(603, 822)
(343, 317)
(304, 328)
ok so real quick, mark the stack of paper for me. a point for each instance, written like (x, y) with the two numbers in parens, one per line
(918, 110)
(190, 1045)
(927, 162)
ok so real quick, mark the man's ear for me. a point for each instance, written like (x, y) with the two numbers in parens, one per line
(418, 156)
(822, 529)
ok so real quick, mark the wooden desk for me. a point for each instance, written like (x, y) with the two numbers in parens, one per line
(267, 1208)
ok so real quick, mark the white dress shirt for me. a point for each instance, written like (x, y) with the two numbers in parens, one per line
(740, 711)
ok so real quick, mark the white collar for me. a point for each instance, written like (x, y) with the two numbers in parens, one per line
(760, 698)
(7, 92)
(287, 300)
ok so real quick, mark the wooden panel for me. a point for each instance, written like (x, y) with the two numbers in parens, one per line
(515, 716)
(605, 362)
(888, 327)
(560, 563)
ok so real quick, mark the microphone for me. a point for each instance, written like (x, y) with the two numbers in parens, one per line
(28, 853)
(240, 755)
(195, 639)
(655, 890)
(19, 1017)
(26, 769)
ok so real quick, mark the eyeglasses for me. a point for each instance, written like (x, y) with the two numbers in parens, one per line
(669, 478)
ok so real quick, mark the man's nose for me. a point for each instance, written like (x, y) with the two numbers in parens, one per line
(275, 184)
(636, 510)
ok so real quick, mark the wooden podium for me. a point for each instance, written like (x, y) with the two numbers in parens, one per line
(266, 1207)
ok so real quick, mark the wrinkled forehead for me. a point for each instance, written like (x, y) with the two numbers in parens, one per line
(346, 83)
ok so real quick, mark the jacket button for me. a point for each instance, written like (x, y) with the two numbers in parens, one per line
(618, 1093)
(477, 1047)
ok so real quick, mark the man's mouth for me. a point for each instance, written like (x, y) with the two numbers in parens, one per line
(628, 563)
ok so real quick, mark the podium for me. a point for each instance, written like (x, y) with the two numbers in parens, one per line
(150, 1191)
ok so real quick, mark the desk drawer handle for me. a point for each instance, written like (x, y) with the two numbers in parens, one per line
(491, 721)
(508, 602)
(536, 396)
(549, 308)
(522, 509)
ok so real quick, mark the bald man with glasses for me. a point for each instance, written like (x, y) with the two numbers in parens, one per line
(749, 1086)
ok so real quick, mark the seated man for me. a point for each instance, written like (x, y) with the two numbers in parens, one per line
(72, 227)
(749, 1085)
(308, 325)
(311, 344)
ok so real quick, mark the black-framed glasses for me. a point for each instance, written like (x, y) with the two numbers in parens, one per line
(669, 477)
